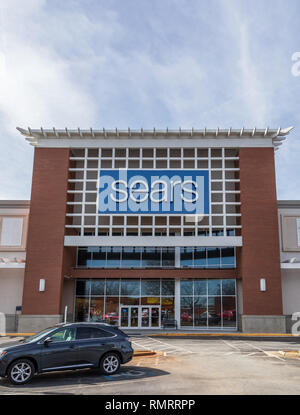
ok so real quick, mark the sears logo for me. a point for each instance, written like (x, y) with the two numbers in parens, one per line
(154, 191)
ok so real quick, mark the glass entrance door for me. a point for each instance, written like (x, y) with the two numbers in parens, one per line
(140, 317)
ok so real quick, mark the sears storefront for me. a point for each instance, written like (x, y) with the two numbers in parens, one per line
(182, 196)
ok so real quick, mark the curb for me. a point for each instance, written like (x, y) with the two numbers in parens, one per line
(15, 334)
(221, 335)
(140, 353)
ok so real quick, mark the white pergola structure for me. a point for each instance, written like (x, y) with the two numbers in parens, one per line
(253, 137)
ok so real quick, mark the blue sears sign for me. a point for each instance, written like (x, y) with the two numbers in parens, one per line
(153, 192)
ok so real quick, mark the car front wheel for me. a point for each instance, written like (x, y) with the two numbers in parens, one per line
(110, 363)
(20, 372)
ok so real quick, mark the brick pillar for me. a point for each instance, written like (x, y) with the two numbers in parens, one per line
(260, 254)
(45, 244)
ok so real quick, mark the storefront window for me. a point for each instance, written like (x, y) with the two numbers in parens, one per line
(97, 309)
(200, 287)
(202, 303)
(214, 311)
(214, 287)
(150, 300)
(200, 311)
(167, 287)
(83, 288)
(167, 308)
(130, 300)
(112, 287)
(111, 315)
(150, 287)
(208, 303)
(82, 309)
(229, 311)
(130, 287)
(228, 287)
(186, 311)
(186, 287)
(97, 287)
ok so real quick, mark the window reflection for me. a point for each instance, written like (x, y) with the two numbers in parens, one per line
(151, 257)
(130, 300)
(97, 309)
(167, 308)
(200, 311)
(130, 287)
(155, 257)
(97, 287)
(186, 256)
(227, 257)
(200, 287)
(229, 312)
(213, 257)
(131, 257)
(114, 257)
(214, 287)
(112, 287)
(150, 300)
(228, 287)
(203, 302)
(82, 309)
(200, 257)
(167, 287)
(99, 258)
(150, 287)
(186, 311)
(111, 315)
(214, 311)
(168, 257)
(186, 287)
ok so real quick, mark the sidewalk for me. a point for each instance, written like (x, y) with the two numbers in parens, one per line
(201, 333)
(180, 333)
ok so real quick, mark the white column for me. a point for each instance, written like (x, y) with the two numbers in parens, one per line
(177, 301)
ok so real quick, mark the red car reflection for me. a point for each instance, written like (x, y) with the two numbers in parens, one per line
(186, 317)
(111, 317)
(228, 314)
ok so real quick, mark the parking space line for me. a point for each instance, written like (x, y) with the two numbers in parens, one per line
(157, 345)
(231, 345)
(265, 352)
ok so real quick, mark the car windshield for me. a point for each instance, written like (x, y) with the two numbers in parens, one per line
(39, 335)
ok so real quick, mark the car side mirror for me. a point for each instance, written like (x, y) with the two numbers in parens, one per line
(47, 341)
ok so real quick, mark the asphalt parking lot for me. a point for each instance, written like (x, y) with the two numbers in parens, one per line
(192, 365)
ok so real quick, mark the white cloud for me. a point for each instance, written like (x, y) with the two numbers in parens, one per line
(42, 55)
(172, 63)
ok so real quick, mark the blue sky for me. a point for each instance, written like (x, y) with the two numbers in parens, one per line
(146, 63)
